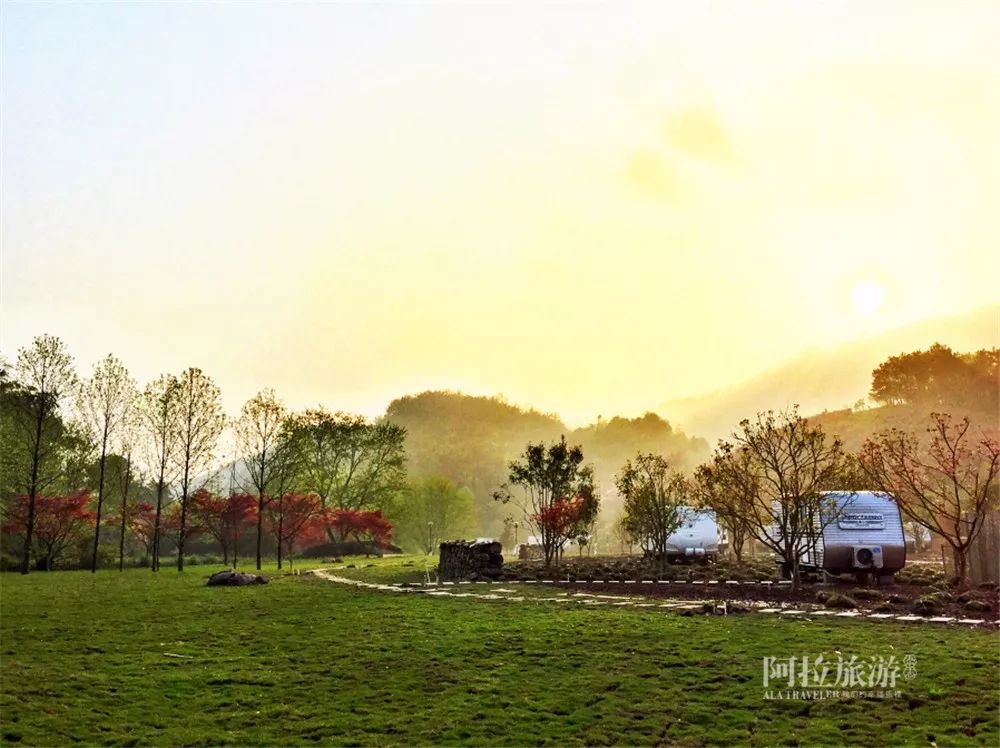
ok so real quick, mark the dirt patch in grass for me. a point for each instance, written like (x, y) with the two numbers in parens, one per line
(901, 599)
(920, 589)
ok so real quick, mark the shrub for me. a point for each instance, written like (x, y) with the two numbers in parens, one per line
(978, 605)
(347, 548)
(203, 559)
(927, 605)
(919, 575)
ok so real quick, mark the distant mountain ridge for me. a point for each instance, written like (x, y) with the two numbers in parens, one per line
(827, 379)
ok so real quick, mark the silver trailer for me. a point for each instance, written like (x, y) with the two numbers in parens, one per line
(696, 540)
(861, 534)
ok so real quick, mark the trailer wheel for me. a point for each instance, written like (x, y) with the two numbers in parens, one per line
(862, 577)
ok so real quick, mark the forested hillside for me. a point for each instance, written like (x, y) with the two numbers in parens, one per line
(470, 440)
(907, 388)
(826, 378)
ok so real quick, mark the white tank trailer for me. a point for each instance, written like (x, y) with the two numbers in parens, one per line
(861, 535)
(696, 540)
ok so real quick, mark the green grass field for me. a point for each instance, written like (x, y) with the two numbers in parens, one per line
(128, 659)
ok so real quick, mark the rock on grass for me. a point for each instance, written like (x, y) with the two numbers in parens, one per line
(836, 600)
(230, 578)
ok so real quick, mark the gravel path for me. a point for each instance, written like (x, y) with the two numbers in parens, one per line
(504, 591)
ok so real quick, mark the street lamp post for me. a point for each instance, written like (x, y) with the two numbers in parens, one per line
(515, 534)
(430, 538)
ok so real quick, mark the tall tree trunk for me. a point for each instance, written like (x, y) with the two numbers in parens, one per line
(121, 541)
(156, 523)
(36, 458)
(185, 485)
(550, 550)
(281, 524)
(186, 474)
(100, 498)
(961, 556)
(738, 548)
(183, 531)
(260, 524)
(185, 488)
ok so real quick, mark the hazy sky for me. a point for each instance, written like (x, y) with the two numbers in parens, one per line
(590, 208)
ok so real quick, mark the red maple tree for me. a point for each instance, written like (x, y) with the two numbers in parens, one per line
(562, 516)
(224, 517)
(140, 520)
(369, 528)
(293, 517)
(59, 521)
(170, 525)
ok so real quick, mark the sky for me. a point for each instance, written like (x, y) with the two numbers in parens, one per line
(589, 208)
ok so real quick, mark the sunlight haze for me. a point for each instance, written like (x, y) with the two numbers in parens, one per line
(589, 208)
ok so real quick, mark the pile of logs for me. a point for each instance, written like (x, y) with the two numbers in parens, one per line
(461, 559)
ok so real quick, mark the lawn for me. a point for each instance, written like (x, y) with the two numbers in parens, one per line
(388, 569)
(136, 659)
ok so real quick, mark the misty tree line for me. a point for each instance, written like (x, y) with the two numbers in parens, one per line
(768, 482)
(64, 436)
(472, 439)
(73, 443)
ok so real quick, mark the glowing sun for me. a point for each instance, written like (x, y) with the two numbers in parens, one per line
(866, 298)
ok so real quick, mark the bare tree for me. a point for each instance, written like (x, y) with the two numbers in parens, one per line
(945, 483)
(201, 421)
(104, 403)
(732, 501)
(159, 416)
(127, 440)
(45, 378)
(657, 502)
(261, 436)
(287, 475)
(779, 468)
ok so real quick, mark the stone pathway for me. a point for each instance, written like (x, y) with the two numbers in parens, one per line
(500, 591)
